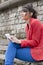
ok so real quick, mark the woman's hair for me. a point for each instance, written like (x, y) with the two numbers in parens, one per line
(29, 8)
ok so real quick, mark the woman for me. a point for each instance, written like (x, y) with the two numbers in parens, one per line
(31, 48)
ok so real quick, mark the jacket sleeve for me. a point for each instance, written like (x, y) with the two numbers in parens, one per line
(35, 36)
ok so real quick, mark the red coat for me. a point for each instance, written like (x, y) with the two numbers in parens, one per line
(34, 39)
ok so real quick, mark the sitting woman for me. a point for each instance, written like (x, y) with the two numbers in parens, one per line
(31, 48)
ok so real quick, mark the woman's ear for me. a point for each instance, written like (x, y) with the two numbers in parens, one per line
(31, 13)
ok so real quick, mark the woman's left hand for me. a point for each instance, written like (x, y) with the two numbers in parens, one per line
(14, 39)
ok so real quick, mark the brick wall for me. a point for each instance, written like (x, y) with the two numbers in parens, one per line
(10, 21)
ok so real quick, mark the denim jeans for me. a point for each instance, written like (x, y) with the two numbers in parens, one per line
(14, 50)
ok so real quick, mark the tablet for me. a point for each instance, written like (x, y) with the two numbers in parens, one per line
(8, 35)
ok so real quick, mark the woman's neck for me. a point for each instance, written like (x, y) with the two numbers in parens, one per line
(28, 21)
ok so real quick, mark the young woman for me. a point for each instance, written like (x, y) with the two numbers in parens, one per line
(30, 49)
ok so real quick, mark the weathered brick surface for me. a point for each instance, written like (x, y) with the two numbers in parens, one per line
(11, 23)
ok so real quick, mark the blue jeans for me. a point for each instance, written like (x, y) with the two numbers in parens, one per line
(15, 51)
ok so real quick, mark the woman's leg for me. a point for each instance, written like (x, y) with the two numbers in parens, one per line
(24, 54)
(10, 53)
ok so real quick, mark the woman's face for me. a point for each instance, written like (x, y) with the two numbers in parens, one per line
(25, 15)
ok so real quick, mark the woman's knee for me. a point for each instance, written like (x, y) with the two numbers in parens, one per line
(10, 43)
(13, 44)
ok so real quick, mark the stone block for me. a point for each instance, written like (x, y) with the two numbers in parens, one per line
(21, 21)
(34, 4)
(40, 12)
(41, 8)
(11, 15)
(40, 17)
(38, 63)
(40, 2)
(14, 10)
(38, 8)
(16, 21)
(41, 21)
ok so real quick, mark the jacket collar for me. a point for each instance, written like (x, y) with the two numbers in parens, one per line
(31, 20)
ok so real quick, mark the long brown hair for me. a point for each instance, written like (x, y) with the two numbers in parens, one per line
(30, 8)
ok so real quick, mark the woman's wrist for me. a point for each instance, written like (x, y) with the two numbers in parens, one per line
(19, 41)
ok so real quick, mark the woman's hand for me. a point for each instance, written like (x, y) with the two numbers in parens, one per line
(14, 39)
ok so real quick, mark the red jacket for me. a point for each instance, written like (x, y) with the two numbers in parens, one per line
(34, 39)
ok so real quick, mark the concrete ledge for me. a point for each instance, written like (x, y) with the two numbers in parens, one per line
(14, 3)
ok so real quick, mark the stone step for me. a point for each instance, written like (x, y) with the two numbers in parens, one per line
(16, 61)
(3, 48)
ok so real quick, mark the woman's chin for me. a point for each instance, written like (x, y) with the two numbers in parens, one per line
(23, 19)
